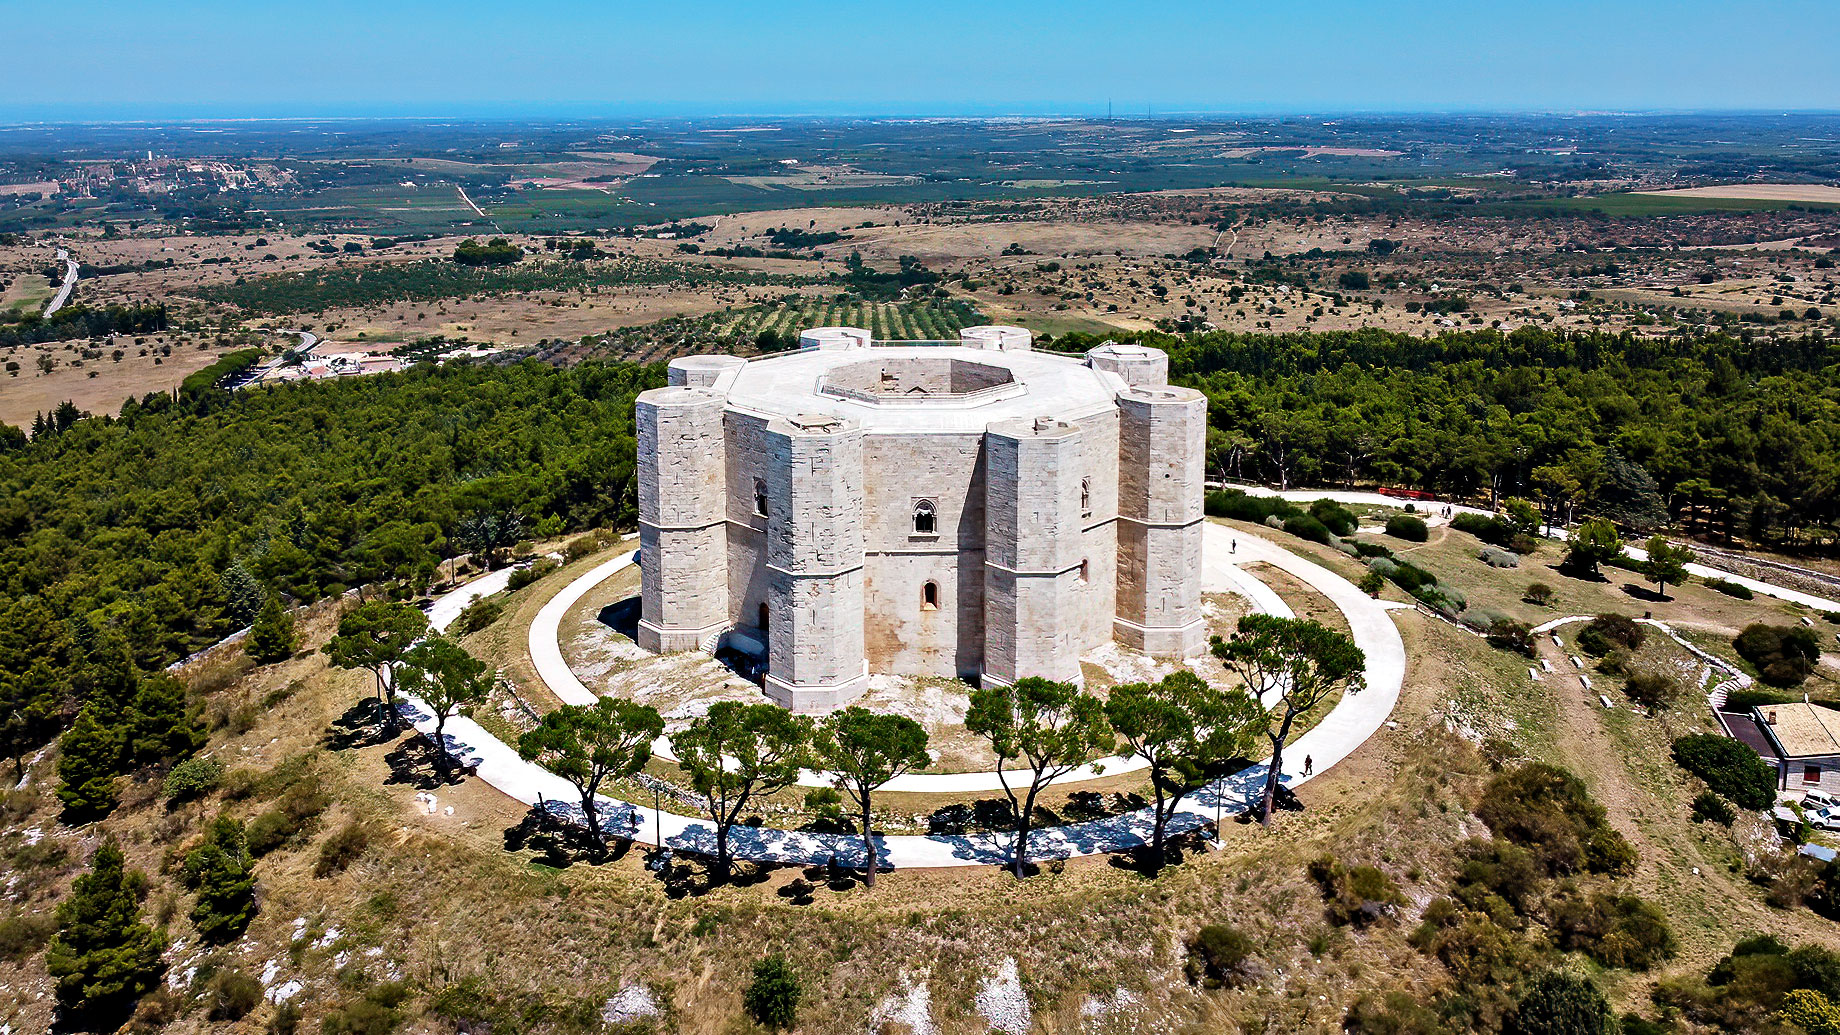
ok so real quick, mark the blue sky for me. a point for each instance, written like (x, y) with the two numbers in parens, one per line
(513, 57)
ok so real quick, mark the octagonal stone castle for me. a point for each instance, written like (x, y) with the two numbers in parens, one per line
(974, 509)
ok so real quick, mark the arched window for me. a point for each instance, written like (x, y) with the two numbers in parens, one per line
(929, 597)
(924, 517)
(760, 497)
(763, 617)
(1086, 497)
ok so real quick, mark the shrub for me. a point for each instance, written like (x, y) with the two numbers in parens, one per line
(1498, 558)
(477, 615)
(1813, 1012)
(1606, 633)
(1538, 594)
(1615, 930)
(1548, 810)
(1372, 550)
(192, 778)
(1371, 583)
(21, 936)
(1407, 527)
(1275, 521)
(270, 831)
(1730, 588)
(1238, 505)
(1219, 956)
(1509, 634)
(232, 994)
(582, 546)
(1441, 598)
(1559, 1004)
(1783, 655)
(1710, 808)
(342, 849)
(1728, 767)
(530, 573)
(219, 870)
(1303, 526)
(772, 998)
(1334, 516)
(1358, 895)
(1492, 530)
(1654, 689)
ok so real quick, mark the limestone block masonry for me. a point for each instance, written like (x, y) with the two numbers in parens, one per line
(972, 509)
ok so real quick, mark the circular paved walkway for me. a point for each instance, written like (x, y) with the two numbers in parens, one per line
(1355, 718)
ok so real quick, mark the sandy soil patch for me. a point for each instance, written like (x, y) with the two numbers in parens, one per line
(1755, 192)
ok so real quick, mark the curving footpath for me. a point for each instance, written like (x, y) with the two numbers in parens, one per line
(1354, 719)
(1636, 553)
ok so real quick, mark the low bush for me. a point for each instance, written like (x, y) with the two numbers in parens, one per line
(1615, 930)
(1783, 655)
(1334, 516)
(1729, 767)
(1606, 633)
(1548, 810)
(1730, 588)
(1407, 527)
(532, 572)
(1372, 550)
(1357, 895)
(1654, 689)
(1371, 584)
(193, 778)
(343, 848)
(1509, 634)
(1560, 1004)
(772, 998)
(477, 615)
(583, 546)
(1238, 505)
(22, 936)
(1492, 530)
(1442, 598)
(1539, 594)
(1710, 808)
(1498, 558)
(232, 994)
(1303, 526)
(1275, 521)
(1219, 956)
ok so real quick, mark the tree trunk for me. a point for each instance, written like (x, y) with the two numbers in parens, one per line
(594, 819)
(1162, 822)
(722, 850)
(1022, 834)
(440, 745)
(1277, 767)
(868, 845)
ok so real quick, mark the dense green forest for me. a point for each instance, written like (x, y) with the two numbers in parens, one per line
(1741, 436)
(80, 322)
(126, 543)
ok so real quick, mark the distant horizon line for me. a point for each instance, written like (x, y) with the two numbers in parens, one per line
(38, 117)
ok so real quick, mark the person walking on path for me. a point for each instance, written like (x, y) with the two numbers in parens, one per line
(1308, 764)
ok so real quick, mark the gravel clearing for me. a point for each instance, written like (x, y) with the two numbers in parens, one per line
(1002, 1002)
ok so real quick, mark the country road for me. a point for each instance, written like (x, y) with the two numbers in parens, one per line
(64, 289)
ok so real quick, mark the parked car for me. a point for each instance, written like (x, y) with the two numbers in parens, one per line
(1816, 800)
(1823, 819)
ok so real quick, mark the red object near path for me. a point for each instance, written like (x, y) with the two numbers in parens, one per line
(1408, 494)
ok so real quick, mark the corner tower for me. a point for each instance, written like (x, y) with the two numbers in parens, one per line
(1032, 550)
(814, 561)
(683, 537)
(1162, 439)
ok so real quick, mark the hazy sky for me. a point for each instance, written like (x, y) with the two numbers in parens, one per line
(155, 58)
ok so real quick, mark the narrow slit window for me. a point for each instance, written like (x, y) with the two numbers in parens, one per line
(1086, 497)
(929, 597)
(760, 497)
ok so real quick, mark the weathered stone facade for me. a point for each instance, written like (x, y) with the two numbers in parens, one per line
(973, 509)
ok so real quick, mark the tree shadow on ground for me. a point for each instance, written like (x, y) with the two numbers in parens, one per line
(1145, 862)
(361, 726)
(687, 875)
(561, 844)
(1644, 594)
(415, 762)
